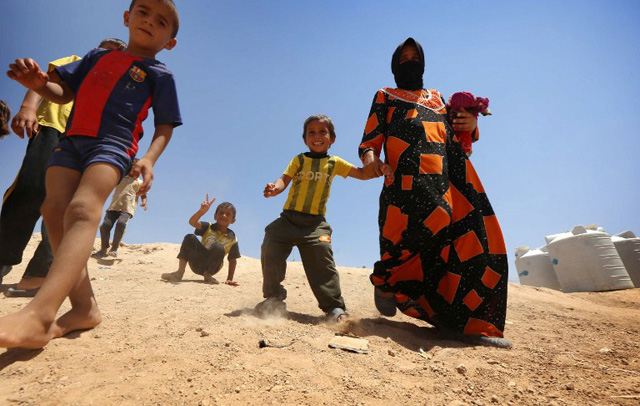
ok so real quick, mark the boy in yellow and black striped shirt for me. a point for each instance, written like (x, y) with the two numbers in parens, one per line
(302, 222)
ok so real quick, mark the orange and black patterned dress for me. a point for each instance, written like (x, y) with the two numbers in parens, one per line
(442, 250)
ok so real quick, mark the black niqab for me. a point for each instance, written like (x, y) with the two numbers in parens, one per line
(409, 74)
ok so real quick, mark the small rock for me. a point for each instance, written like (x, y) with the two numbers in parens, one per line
(198, 329)
(462, 369)
(204, 333)
(494, 399)
(512, 384)
(570, 386)
(605, 350)
(391, 352)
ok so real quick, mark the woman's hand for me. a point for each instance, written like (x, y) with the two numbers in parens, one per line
(372, 165)
(464, 121)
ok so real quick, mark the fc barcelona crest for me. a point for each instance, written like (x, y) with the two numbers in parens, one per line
(137, 74)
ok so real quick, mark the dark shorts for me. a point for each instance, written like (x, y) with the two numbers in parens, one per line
(78, 152)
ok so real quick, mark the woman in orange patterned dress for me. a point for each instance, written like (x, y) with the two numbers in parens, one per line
(443, 258)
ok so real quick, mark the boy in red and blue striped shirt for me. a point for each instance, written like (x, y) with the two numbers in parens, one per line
(112, 92)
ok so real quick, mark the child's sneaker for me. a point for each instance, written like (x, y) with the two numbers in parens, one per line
(98, 255)
(113, 254)
(271, 307)
(337, 315)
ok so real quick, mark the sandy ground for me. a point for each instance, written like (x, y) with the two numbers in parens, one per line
(196, 344)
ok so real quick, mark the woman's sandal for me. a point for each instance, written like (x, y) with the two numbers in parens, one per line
(385, 305)
(448, 334)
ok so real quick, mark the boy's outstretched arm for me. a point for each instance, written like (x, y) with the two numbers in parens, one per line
(194, 221)
(275, 188)
(359, 173)
(144, 166)
(232, 270)
(48, 85)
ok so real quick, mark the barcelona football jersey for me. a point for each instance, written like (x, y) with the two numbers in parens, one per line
(113, 93)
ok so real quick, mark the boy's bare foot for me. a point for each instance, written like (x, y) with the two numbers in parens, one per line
(172, 276)
(78, 318)
(24, 329)
(210, 279)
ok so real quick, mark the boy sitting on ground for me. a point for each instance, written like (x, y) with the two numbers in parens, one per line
(206, 257)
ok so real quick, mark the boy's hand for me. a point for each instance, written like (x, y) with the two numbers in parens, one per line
(271, 190)
(232, 283)
(204, 206)
(143, 167)
(28, 74)
(372, 165)
(464, 121)
(387, 172)
(25, 119)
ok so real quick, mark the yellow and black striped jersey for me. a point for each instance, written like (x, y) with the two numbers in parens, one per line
(311, 181)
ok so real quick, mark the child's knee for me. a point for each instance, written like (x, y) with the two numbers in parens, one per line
(52, 209)
(80, 210)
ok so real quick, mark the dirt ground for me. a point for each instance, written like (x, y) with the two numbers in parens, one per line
(196, 344)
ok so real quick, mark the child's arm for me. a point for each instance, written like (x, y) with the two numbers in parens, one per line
(373, 167)
(232, 270)
(144, 166)
(26, 118)
(48, 85)
(194, 221)
(275, 188)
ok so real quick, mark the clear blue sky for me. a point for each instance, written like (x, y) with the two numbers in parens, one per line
(563, 78)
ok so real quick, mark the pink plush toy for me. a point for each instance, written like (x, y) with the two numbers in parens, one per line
(472, 104)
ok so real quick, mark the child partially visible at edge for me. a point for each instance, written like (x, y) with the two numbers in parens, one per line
(206, 257)
(302, 223)
(5, 116)
(112, 91)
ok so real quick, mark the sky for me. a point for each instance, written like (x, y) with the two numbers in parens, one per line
(560, 149)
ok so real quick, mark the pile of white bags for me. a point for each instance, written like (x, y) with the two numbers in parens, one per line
(586, 259)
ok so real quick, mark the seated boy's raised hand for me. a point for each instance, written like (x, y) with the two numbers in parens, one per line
(28, 73)
(206, 205)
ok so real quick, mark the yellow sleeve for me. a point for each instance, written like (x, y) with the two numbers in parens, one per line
(62, 61)
(342, 167)
(294, 166)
